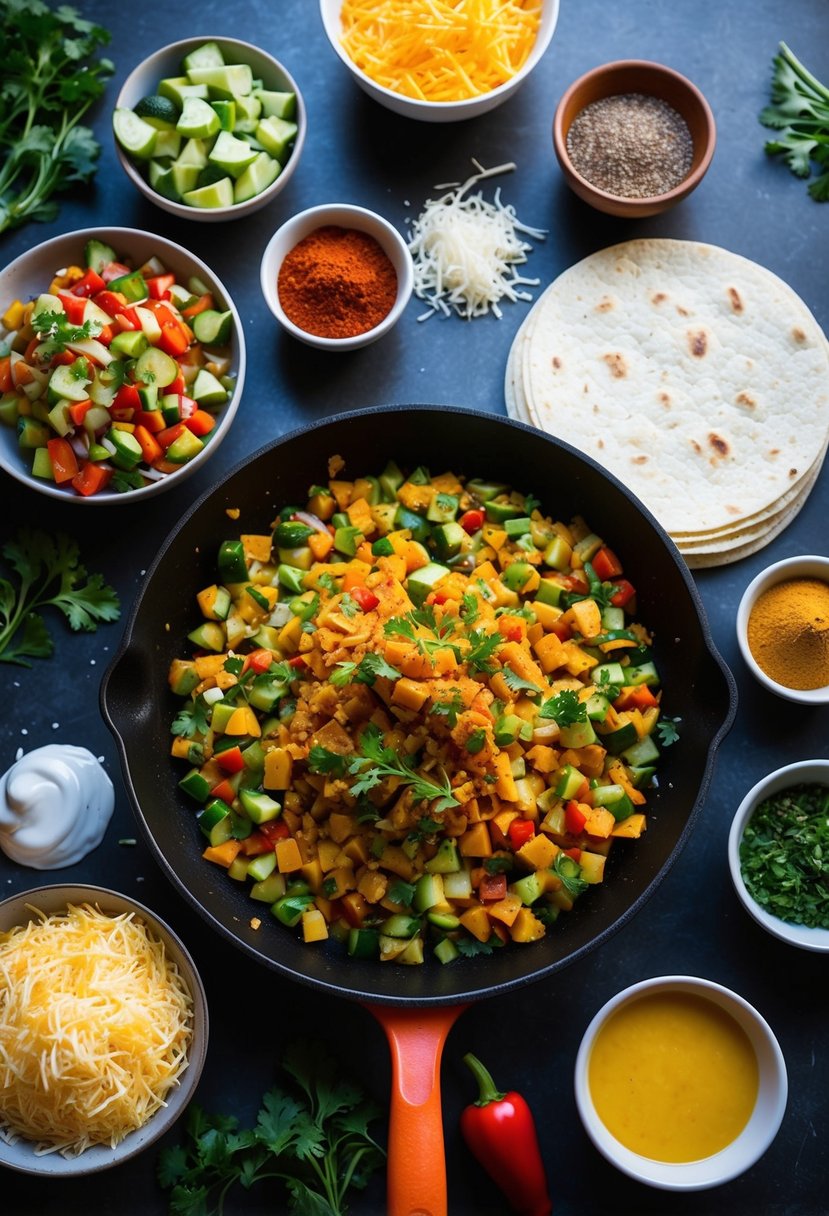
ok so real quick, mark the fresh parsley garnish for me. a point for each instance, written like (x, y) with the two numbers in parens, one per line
(323, 760)
(192, 719)
(50, 79)
(482, 649)
(367, 671)
(469, 609)
(376, 761)
(799, 111)
(55, 331)
(49, 572)
(565, 708)
(784, 855)
(349, 606)
(401, 892)
(476, 741)
(667, 731)
(327, 582)
(311, 1133)
(517, 683)
(469, 947)
(449, 708)
(607, 687)
(342, 674)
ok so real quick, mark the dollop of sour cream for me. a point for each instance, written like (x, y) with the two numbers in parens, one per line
(55, 804)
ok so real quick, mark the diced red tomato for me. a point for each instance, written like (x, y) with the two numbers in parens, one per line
(91, 478)
(178, 385)
(63, 356)
(574, 818)
(127, 320)
(63, 458)
(223, 790)
(575, 582)
(574, 853)
(624, 593)
(111, 302)
(365, 598)
(492, 887)
(127, 398)
(106, 335)
(89, 285)
(73, 305)
(520, 831)
(159, 286)
(297, 661)
(174, 340)
(231, 760)
(274, 829)
(472, 521)
(170, 434)
(200, 422)
(121, 413)
(114, 271)
(258, 660)
(606, 564)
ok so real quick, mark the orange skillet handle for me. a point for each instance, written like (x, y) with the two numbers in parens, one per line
(417, 1164)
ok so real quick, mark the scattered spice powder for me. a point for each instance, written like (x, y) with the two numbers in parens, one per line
(631, 145)
(337, 283)
(788, 633)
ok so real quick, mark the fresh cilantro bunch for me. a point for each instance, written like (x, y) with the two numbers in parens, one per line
(49, 573)
(311, 1133)
(799, 110)
(50, 79)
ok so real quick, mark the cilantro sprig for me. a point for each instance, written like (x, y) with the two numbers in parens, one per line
(51, 76)
(799, 111)
(374, 761)
(55, 331)
(311, 1133)
(565, 708)
(49, 573)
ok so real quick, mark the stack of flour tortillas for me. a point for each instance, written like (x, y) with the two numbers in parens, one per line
(695, 376)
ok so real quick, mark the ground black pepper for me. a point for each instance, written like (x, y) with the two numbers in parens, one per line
(631, 145)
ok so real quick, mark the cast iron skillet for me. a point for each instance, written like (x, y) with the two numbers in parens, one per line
(417, 1005)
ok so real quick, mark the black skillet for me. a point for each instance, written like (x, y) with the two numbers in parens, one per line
(417, 1005)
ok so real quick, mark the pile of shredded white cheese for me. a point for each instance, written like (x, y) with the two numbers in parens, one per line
(95, 1026)
(466, 250)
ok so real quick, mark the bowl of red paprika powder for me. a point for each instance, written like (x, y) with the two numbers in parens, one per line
(337, 276)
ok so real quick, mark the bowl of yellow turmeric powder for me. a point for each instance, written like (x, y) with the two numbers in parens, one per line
(440, 63)
(783, 629)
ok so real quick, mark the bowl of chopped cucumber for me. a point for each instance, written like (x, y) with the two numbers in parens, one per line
(209, 128)
(122, 362)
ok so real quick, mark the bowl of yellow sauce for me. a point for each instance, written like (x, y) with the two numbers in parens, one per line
(680, 1083)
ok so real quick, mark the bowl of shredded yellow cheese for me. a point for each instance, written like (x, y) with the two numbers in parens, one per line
(103, 1029)
(440, 60)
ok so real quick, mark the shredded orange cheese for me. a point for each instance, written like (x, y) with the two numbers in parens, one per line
(95, 1025)
(440, 50)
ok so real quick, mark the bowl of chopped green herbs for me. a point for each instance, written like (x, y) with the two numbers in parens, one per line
(778, 854)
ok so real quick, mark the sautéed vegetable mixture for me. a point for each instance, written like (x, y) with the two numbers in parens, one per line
(418, 714)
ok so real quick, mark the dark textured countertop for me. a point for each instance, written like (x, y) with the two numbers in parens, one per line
(360, 153)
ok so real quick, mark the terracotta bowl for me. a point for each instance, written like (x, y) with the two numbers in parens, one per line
(653, 80)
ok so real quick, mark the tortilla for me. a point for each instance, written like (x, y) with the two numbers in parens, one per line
(697, 377)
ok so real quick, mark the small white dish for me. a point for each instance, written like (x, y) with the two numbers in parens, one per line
(803, 772)
(20, 1154)
(31, 273)
(342, 215)
(437, 111)
(809, 566)
(764, 1121)
(143, 82)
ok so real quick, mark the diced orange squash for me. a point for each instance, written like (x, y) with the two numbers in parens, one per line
(526, 927)
(314, 928)
(410, 694)
(592, 867)
(475, 842)
(542, 758)
(343, 492)
(356, 850)
(328, 851)
(476, 921)
(359, 514)
(599, 822)
(209, 664)
(538, 853)
(577, 660)
(320, 544)
(288, 856)
(395, 859)
(632, 827)
(372, 886)
(505, 784)
(180, 748)
(545, 614)
(289, 636)
(416, 498)
(550, 652)
(243, 721)
(312, 873)
(278, 766)
(257, 547)
(223, 854)
(505, 910)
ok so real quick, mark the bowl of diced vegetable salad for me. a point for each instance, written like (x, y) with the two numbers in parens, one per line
(122, 361)
(209, 128)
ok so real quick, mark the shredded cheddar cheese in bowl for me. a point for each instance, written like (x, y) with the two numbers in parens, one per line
(440, 50)
(96, 1022)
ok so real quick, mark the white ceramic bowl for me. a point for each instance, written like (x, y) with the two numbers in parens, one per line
(342, 215)
(143, 82)
(804, 772)
(30, 274)
(763, 1123)
(20, 1154)
(812, 566)
(431, 111)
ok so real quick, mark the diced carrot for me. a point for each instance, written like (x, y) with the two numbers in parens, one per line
(204, 302)
(151, 420)
(320, 545)
(6, 375)
(151, 449)
(200, 422)
(174, 340)
(63, 458)
(78, 411)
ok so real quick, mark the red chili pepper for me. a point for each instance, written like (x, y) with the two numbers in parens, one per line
(273, 830)
(112, 302)
(260, 660)
(499, 1130)
(223, 790)
(365, 598)
(159, 286)
(623, 594)
(520, 831)
(231, 760)
(73, 306)
(89, 285)
(472, 521)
